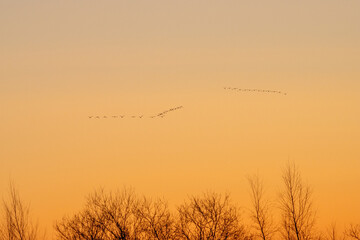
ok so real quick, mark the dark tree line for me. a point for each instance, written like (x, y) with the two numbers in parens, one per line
(123, 215)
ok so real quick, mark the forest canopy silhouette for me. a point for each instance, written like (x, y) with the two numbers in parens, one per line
(122, 214)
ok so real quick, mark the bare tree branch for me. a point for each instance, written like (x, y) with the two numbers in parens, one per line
(17, 224)
(297, 206)
(353, 231)
(332, 233)
(116, 216)
(156, 220)
(261, 213)
(209, 217)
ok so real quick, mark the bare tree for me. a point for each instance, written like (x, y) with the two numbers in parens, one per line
(332, 233)
(16, 223)
(106, 216)
(353, 231)
(156, 220)
(116, 216)
(82, 226)
(115, 213)
(261, 213)
(210, 217)
(298, 216)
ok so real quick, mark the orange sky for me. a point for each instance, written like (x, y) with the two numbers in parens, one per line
(62, 61)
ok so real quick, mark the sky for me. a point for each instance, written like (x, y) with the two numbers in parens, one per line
(63, 61)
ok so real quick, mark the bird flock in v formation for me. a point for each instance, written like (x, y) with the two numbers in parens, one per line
(164, 113)
(254, 90)
(158, 115)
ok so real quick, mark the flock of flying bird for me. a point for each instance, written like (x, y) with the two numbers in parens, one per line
(254, 90)
(163, 114)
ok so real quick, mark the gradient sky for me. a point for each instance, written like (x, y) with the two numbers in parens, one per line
(62, 61)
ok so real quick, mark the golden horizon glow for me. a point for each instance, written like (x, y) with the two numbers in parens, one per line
(62, 61)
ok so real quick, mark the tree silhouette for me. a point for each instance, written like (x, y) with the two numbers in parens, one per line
(119, 215)
(16, 223)
(82, 226)
(332, 233)
(156, 220)
(298, 217)
(353, 232)
(106, 215)
(261, 210)
(122, 215)
(209, 217)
